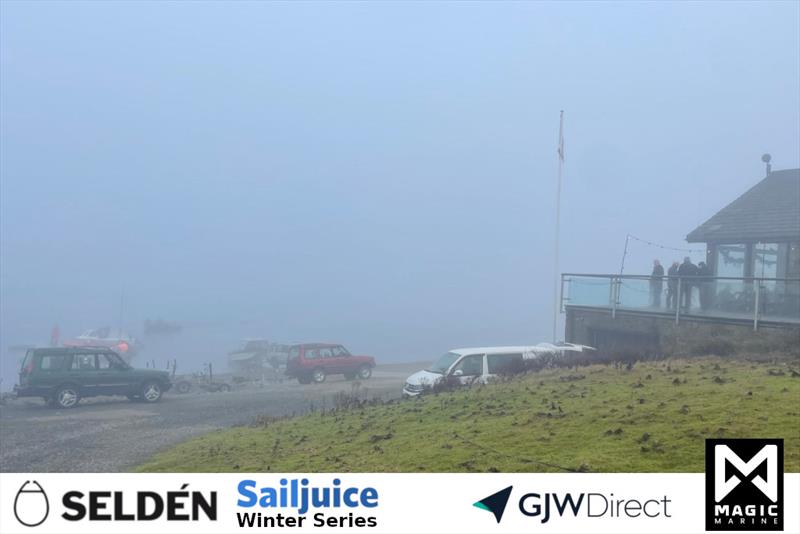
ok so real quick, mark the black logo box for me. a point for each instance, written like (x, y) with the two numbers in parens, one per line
(744, 494)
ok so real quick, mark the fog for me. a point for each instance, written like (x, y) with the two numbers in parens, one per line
(380, 175)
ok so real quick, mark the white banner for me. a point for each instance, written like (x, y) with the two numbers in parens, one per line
(364, 503)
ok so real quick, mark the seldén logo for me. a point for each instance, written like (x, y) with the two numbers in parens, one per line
(744, 484)
(31, 506)
(495, 503)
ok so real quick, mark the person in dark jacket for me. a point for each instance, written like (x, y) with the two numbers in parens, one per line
(672, 286)
(656, 284)
(687, 271)
(704, 286)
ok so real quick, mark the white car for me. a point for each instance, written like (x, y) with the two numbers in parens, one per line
(480, 364)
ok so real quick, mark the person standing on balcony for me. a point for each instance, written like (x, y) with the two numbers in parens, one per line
(672, 286)
(687, 271)
(656, 284)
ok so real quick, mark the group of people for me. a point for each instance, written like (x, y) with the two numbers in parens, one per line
(689, 275)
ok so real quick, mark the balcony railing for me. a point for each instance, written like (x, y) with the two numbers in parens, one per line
(773, 300)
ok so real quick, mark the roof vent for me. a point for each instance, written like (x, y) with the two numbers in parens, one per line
(766, 158)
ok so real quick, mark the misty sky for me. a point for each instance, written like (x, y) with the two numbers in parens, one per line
(377, 174)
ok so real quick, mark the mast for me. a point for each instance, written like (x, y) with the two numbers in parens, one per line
(556, 277)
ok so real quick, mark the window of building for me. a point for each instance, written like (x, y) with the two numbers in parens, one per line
(730, 260)
(769, 260)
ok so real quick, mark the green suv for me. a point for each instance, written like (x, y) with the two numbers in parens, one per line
(62, 376)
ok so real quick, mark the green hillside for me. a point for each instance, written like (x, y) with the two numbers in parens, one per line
(604, 418)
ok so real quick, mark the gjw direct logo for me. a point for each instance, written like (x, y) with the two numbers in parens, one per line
(545, 506)
(744, 484)
(495, 503)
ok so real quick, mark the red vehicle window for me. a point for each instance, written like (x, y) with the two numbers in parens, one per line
(340, 352)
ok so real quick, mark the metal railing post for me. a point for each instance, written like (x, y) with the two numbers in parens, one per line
(614, 296)
(678, 298)
(755, 311)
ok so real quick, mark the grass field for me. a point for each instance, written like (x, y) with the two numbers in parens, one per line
(654, 417)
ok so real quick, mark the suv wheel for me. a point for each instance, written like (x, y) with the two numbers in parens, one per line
(364, 372)
(67, 397)
(224, 388)
(151, 392)
(318, 376)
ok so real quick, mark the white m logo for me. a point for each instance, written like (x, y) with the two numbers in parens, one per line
(769, 454)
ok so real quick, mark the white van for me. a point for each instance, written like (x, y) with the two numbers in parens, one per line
(479, 364)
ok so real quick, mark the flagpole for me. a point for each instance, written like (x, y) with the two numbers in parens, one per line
(556, 277)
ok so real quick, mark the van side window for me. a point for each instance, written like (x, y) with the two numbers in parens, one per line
(504, 363)
(51, 362)
(471, 365)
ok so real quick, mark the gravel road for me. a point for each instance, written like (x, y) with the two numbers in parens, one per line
(113, 434)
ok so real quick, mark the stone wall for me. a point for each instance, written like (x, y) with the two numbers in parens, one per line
(659, 335)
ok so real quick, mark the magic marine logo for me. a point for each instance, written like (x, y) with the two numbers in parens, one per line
(744, 484)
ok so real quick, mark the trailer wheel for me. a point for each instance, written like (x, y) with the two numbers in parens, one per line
(183, 387)
(318, 375)
(365, 372)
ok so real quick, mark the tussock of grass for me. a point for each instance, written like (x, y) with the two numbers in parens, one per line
(653, 417)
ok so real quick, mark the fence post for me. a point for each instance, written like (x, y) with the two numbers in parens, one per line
(678, 298)
(614, 296)
(755, 311)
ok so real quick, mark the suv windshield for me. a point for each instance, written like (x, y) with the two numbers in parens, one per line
(443, 363)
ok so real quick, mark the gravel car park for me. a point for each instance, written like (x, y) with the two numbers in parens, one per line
(109, 434)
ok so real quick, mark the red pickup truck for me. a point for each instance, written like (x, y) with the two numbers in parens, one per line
(313, 362)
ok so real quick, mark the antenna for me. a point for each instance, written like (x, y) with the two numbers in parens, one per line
(766, 158)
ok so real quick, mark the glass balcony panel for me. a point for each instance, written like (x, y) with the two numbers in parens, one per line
(641, 293)
(588, 291)
(779, 300)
